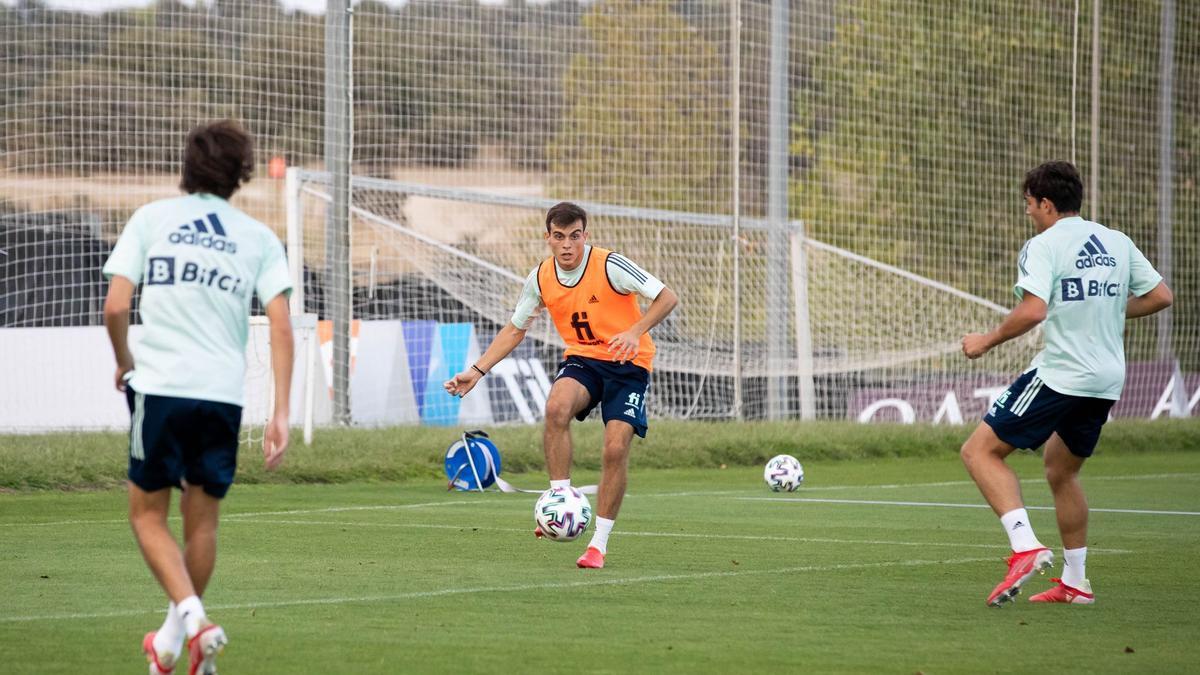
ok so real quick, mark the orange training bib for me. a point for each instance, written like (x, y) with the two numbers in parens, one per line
(588, 314)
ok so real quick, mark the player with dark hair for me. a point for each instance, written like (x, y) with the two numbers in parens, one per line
(1084, 280)
(198, 260)
(589, 293)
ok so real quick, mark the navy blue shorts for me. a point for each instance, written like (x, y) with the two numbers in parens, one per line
(1027, 413)
(174, 438)
(618, 388)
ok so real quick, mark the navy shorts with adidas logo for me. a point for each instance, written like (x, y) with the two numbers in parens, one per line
(1030, 411)
(618, 388)
(173, 439)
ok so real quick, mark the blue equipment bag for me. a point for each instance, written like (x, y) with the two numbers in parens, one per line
(472, 462)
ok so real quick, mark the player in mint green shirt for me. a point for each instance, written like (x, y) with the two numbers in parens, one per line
(198, 260)
(1083, 280)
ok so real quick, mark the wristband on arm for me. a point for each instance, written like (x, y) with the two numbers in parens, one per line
(478, 370)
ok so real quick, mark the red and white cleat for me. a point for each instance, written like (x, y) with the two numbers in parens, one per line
(1066, 594)
(537, 532)
(1021, 566)
(204, 648)
(591, 559)
(160, 664)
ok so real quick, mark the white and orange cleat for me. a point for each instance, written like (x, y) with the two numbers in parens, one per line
(204, 648)
(591, 559)
(1021, 566)
(1066, 594)
(160, 664)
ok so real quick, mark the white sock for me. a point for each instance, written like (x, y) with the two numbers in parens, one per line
(1020, 531)
(600, 536)
(564, 483)
(1074, 570)
(169, 638)
(192, 613)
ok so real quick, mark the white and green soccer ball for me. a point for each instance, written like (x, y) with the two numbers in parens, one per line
(783, 473)
(562, 513)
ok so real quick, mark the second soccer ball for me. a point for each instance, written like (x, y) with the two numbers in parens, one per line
(783, 473)
(562, 513)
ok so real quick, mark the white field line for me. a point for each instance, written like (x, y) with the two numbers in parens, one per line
(900, 486)
(871, 502)
(677, 535)
(747, 493)
(417, 595)
(292, 512)
(368, 507)
(1026, 481)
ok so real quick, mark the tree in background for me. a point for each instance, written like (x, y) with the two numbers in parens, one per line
(914, 144)
(647, 112)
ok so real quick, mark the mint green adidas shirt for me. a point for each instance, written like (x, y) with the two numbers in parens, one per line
(198, 259)
(1085, 272)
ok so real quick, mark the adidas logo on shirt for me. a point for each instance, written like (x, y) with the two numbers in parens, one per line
(196, 233)
(592, 300)
(1093, 254)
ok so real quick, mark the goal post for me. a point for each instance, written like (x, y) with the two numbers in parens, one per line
(260, 383)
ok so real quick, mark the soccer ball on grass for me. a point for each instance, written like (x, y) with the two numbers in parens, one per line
(562, 513)
(783, 473)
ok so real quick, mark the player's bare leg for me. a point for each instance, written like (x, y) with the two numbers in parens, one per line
(1070, 504)
(1071, 509)
(983, 454)
(567, 398)
(617, 437)
(148, 517)
(200, 511)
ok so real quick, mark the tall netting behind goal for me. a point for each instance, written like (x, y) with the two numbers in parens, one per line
(907, 135)
(449, 255)
(832, 186)
(96, 100)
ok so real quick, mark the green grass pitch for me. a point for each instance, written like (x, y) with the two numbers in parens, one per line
(708, 572)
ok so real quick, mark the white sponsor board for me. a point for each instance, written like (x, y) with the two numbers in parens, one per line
(73, 390)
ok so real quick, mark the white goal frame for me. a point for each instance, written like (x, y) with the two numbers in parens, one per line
(304, 326)
(299, 182)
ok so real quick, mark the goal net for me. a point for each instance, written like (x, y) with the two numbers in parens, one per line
(454, 256)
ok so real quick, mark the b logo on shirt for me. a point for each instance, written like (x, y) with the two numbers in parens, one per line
(1074, 290)
(160, 271)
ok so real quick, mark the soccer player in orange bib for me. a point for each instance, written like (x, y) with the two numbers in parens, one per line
(589, 294)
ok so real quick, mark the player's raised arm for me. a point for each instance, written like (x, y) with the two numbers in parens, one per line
(1159, 298)
(625, 276)
(505, 341)
(1035, 283)
(624, 346)
(1148, 292)
(502, 345)
(1023, 318)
